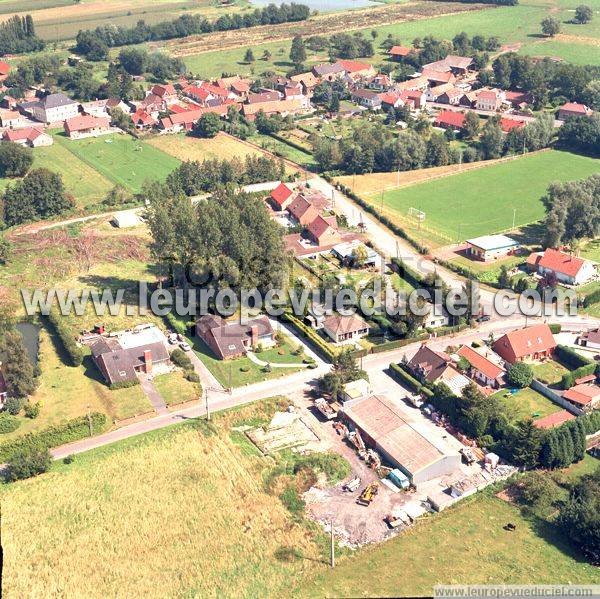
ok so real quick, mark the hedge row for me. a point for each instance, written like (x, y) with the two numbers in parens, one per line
(592, 298)
(53, 436)
(568, 379)
(555, 328)
(403, 376)
(176, 324)
(407, 273)
(311, 334)
(74, 351)
(124, 384)
(290, 143)
(571, 358)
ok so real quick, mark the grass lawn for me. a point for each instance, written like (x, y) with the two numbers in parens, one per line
(485, 200)
(488, 271)
(465, 544)
(280, 148)
(591, 250)
(122, 159)
(184, 508)
(549, 372)
(175, 389)
(526, 403)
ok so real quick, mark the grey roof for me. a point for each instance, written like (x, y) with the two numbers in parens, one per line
(56, 100)
(327, 68)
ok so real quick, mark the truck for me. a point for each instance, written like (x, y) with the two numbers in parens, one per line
(368, 494)
(325, 408)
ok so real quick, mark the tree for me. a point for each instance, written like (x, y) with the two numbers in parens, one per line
(519, 375)
(583, 14)
(28, 462)
(297, 51)
(345, 370)
(492, 140)
(5, 249)
(249, 56)
(471, 124)
(592, 94)
(17, 368)
(134, 60)
(526, 444)
(15, 160)
(208, 125)
(550, 26)
(267, 55)
(359, 255)
(118, 196)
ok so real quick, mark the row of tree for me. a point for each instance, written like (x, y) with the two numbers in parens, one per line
(17, 36)
(581, 134)
(95, 43)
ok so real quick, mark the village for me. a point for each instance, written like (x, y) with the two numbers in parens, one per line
(358, 164)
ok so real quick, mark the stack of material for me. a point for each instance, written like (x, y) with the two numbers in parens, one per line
(287, 430)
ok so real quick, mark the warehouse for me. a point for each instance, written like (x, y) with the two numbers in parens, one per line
(402, 442)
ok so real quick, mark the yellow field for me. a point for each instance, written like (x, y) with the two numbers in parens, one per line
(177, 513)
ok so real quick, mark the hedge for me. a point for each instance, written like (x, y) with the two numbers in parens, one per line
(568, 379)
(176, 324)
(407, 273)
(312, 335)
(53, 436)
(290, 143)
(571, 358)
(591, 299)
(74, 351)
(555, 328)
(401, 374)
(124, 384)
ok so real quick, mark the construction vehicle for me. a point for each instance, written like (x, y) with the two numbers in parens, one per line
(368, 494)
(352, 485)
(373, 459)
(468, 457)
(325, 408)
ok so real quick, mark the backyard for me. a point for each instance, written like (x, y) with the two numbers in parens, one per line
(526, 403)
(175, 388)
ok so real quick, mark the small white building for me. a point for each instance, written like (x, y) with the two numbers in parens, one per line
(356, 390)
(491, 247)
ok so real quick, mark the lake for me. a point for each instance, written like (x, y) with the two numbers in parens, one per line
(323, 5)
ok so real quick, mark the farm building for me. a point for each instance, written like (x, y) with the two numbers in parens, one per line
(399, 52)
(566, 268)
(530, 343)
(491, 247)
(121, 356)
(233, 339)
(404, 444)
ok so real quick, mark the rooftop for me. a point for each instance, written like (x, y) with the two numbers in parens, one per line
(493, 242)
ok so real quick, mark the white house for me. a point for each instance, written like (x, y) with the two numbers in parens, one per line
(491, 247)
(567, 269)
(53, 108)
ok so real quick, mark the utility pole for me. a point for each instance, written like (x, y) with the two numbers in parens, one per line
(89, 417)
(332, 546)
(398, 178)
(206, 404)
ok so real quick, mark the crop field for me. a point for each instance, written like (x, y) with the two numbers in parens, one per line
(122, 159)
(485, 200)
(466, 544)
(181, 512)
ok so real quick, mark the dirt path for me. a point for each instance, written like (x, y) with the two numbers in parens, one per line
(327, 23)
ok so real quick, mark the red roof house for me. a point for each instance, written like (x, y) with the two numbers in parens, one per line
(565, 267)
(482, 368)
(4, 70)
(323, 231)
(450, 119)
(531, 343)
(398, 52)
(166, 92)
(142, 120)
(553, 420)
(585, 396)
(507, 124)
(573, 109)
(281, 197)
(86, 124)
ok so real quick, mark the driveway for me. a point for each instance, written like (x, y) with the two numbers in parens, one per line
(156, 399)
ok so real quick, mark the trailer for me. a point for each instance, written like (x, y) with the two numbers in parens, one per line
(352, 485)
(323, 406)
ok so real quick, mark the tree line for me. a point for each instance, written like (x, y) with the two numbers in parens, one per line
(94, 43)
(17, 36)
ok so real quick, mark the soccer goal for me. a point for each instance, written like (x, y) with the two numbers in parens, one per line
(416, 214)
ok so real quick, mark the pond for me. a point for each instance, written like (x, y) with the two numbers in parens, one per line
(322, 5)
(31, 338)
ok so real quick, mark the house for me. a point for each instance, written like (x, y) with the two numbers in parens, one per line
(566, 268)
(142, 120)
(450, 119)
(585, 396)
(345, 327)
(414, 98)
(428, 364)
(438, 78)
(97, 108)
(4, 70)
(112, 103)
(491, 247)
(436, 317)
(3, 389)
(198, 94)
(323, 231)
(416, 83)
(489, 99)
(398, 53)
(434, 93)
(518, 99)
(345, 253)
(482, 369)
(281, 197)
(264, 96)
(302, 210)
(590, 339)
(228, 340)
(508, 124)
(468, 99)
(293, 91)
(356, 69)
(282, 107)
(30, 136)
(458, 65)
(553, 420)
(452, 96)
(386, 426)
(381, 82)
(86, 126)
(53, 108)
(11, 118)
(572, 109)
(328, 71)
(307, 80)
(152, 104)
(167, 93)
(367, 98)
(122, 356)
(391, 100)
(530, 343)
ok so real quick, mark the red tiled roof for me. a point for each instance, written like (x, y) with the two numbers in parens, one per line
(553, 420)
(28, 133)
(318, 227)
(280, 194)
(508, 124)
(559, 262)
(354, 66)
(525, 342)
(85, 121)
(389, 97)
(215, 90)
(400, 51)
(141, 116)
(582, 394)
(575, 107)
(4, 68)
(196, 92)
(163, 90)
(450, 117)
(481, 363)
(487, 94)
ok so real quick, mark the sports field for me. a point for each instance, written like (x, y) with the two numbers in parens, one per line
(122, 159)
(485, 200)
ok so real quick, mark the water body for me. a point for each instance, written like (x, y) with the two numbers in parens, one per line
(31, 338)
(322, 5)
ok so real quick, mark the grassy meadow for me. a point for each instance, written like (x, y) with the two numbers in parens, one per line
(484, 201)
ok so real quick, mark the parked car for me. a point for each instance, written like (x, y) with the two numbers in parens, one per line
(172, 338)
(185, 346)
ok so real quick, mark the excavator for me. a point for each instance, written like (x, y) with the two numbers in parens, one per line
(368, 494)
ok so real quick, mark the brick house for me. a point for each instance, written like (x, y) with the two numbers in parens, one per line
(530, 343)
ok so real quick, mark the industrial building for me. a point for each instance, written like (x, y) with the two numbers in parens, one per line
(403, 443)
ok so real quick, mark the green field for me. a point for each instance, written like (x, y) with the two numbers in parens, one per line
(122, 159)
(569, 51)
(485, 200)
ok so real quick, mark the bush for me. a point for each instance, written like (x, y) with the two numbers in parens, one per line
(191, 376)
(181, 359)
(519, 375)
(568, 379)
(14, 405)
(292, 501)
(555, 328)
(28, 462)
(8, 423)
(403, 376)
(32, 410)
(124, 384)
(178, 326)
(74, 352)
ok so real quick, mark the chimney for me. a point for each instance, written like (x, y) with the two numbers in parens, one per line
(254, 334)
(148, 360)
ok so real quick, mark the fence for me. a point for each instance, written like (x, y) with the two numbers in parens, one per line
(555, 397)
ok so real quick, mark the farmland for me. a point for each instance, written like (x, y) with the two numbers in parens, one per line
(122, 159)
(182, 510)
(485, 200)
